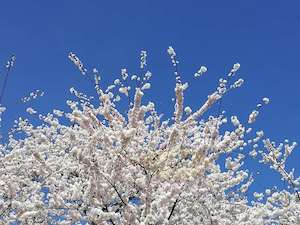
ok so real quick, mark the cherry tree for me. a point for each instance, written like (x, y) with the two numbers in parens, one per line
(107, 167)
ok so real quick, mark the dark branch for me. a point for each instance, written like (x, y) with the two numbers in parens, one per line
(173, 208)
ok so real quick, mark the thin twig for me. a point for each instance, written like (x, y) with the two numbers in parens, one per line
(173, 208)
(9, 65)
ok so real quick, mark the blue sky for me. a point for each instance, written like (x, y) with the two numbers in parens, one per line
(263, 36)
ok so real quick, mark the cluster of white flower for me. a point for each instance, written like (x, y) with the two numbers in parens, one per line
(11, 62)
(172, 54)
(77, 62)
(147, 75)
(254, 114)
(124, 74)
(235, 68)
(31, 110)
(222, 86)
(33, 95)
(83, 97)
(143, 59)
(175, 62)
(58, 113)
(2, 110)
(201, 71)
(107, 168)
(237, 83)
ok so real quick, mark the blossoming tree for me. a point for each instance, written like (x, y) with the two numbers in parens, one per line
(110, 168)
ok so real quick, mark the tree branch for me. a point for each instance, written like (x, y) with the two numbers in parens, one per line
(173, 208)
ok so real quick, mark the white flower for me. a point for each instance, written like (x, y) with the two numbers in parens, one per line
(236, 67)
(201, 71)
(187, 110)
(252, 117)
(2, 109)
(117, 82)
(258, 196)
(143, 59)
(235, 121)
(134, 77)
(237, 83)
(266, 100)
(124, 90)
(171, 51)
(146, 86)
(268, 191)
(30, 110)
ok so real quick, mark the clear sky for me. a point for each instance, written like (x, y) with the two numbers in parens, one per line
(263, 36)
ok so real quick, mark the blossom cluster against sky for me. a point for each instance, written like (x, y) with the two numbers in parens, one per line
(109, 35)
